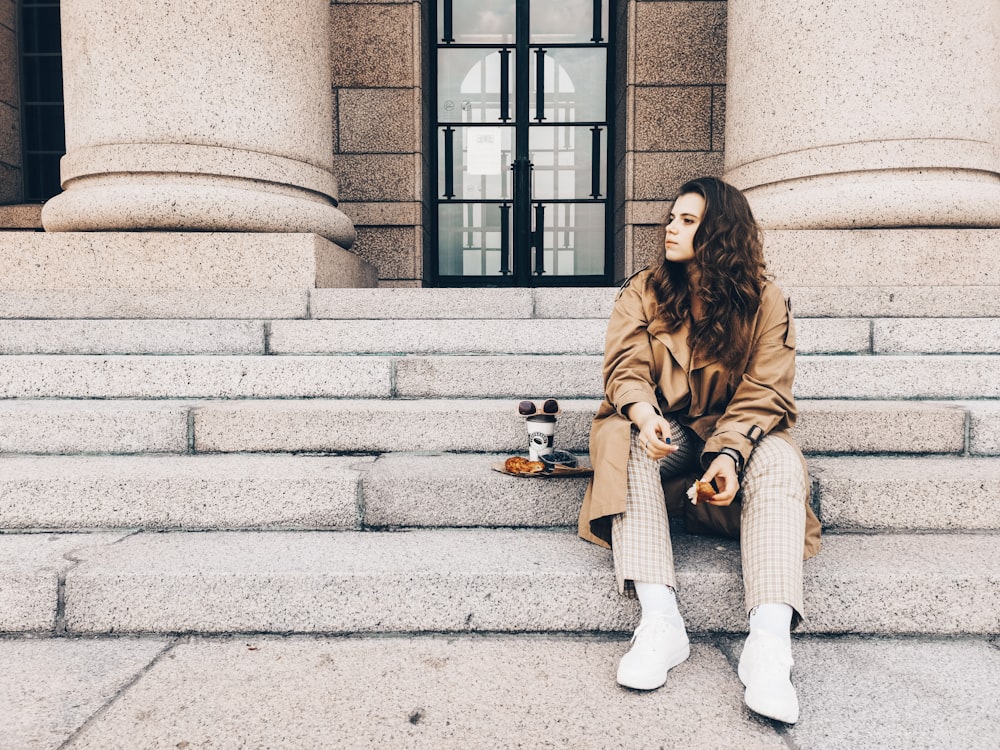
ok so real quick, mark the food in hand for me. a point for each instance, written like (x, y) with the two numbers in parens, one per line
(520, 465)
(701, 492)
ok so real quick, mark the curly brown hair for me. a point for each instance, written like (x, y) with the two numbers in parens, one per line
(729, 264)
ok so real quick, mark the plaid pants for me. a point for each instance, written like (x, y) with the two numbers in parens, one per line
(772, 519)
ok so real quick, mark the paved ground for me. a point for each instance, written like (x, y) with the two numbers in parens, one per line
(482, 692)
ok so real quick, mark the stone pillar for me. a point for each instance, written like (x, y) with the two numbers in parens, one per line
(865, 113)
(198, 115)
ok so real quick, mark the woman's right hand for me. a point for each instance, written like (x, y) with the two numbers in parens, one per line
(654, 430)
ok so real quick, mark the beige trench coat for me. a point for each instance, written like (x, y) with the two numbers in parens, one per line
(645, 362)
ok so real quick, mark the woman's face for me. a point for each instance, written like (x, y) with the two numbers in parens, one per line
(683, 222)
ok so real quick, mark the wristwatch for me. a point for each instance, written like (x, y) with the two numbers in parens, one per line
(735, 455)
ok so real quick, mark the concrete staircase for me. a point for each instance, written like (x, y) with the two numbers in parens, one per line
(331, 474)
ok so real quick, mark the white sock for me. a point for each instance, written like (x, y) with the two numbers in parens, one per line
(658, 598)
(772, 618)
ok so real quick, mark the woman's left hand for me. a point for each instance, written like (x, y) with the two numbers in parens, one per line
(723, 471)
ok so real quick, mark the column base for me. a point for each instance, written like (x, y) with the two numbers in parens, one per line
(868, 200)
(170, 274)
(171, 206)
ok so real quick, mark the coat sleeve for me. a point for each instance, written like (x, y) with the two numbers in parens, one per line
(628, 356)
(763, 397)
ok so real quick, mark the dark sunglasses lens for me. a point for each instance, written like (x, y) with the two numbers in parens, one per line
(551, 406)
(526, 408)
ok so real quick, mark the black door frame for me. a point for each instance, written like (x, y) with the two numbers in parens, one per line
(526, 211)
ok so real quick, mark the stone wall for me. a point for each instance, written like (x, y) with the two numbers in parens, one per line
(10, 117)
(379, 159)
(672, 101)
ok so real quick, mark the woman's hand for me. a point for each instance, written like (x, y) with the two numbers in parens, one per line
(723, 471)
(654, 431)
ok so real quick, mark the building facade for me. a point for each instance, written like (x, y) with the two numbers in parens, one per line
(495, 142)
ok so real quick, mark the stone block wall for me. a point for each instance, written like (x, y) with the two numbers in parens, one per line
(379, 158)
(671, 113)
(10, 116)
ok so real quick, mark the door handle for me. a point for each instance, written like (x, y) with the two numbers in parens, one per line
(538, 239)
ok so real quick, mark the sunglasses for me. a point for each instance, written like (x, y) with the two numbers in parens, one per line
(528, 408)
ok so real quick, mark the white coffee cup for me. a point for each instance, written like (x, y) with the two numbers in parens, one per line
(541, 435)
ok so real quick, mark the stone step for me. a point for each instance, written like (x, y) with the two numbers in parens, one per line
(173, 492)
(493, 425)
(139, 376)
(475, 580)
(474, 425)
(252, 491)
(881, 493)
(820, 376)
(865, 300)
(461, 336)
(132, 337)
(503, 691)
(90, 426)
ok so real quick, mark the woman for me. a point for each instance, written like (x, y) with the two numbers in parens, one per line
(698, 369)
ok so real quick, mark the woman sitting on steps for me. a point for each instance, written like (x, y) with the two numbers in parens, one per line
(698, 369)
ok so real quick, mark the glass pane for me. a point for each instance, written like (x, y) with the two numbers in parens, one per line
(566, 21)
(470, 239)
(574, 239)
(43, 79)
(574, 84)
(481, 163)
(469, 85)
(479, 21)
(40, 29)
(562, 158)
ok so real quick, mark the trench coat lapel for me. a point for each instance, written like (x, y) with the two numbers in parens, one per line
(676, 343)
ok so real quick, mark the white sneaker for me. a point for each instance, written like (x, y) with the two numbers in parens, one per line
(658, 645)
(765, 669)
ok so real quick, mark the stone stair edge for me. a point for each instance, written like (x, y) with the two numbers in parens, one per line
(420, 490)
(372, 426)
(469, 580)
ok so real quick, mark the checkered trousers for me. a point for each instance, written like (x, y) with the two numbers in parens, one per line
(772, 519)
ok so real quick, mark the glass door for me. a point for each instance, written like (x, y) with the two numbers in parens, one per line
(522, 134)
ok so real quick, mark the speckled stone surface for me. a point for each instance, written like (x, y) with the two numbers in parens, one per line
(268, 73)
(507, 580)
(577, 336)
(937, 335)
(673, 118)
(696, 56)
(408, 490)
(174, 262)
(52, 426)
(392, 250)
(984, 427)
(141, 376)
(888, 493)
(191, 492)
(880, 258)
(378, 177)
(902, 376)
(435, 692)
(895, 301)
(138, 304)
(353, 304)
(880, 427)
(513, 376)
(493, 691)
(53, 686)
(896, 694)
(30, 566)
(131, 337)
(380, 425)
(445, 580)
(373, 121)
(356, 61)
(844, 113)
